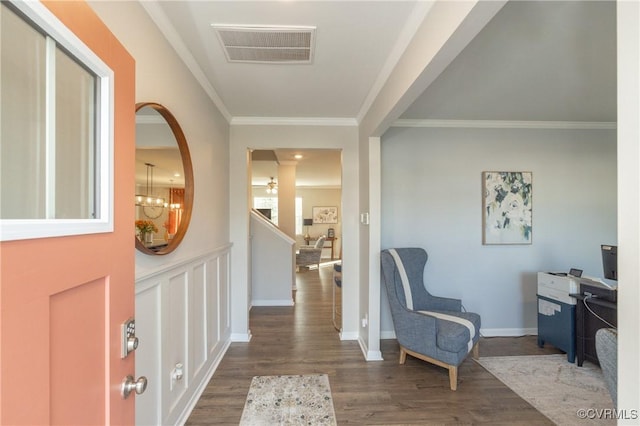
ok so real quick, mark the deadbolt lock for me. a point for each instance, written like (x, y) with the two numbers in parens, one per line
(129, 339)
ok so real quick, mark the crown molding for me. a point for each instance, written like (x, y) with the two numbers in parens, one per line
(158, 16)
(294, 121)
(507, 124)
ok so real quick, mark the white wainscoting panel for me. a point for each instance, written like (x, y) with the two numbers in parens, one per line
(149, 354)
(224, 265)
(213, 312)
(182, 318)
(198, 329)
(175, 326)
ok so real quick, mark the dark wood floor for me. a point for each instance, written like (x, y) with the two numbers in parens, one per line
(303, 340)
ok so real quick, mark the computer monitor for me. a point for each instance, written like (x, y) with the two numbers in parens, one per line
(610, 261)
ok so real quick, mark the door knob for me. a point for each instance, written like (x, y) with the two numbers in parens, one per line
(130, 385)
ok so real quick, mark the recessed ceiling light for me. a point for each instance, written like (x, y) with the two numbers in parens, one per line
(298, 156)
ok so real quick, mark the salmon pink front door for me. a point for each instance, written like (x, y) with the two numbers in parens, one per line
(63, 299)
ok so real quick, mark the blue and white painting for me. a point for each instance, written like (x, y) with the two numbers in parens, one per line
(507, 207)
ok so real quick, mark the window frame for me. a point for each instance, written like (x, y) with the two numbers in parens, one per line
(19, 229)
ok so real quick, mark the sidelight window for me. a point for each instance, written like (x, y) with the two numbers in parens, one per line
(55, 129)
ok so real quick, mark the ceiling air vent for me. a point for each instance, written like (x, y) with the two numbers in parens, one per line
(267, 44)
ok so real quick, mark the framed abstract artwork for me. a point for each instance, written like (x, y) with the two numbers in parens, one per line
(507, 207)
(325, 214)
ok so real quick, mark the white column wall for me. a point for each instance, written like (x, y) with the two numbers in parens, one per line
(628, 20)
(446, 29)
(287, 198)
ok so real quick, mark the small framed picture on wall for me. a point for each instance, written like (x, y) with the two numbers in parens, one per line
(325, 215)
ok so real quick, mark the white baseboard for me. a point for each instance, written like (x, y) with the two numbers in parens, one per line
(374, 356)
(363, 346)
(184, 416)
(283, 302)
(387, 334)
(484, 332)
(351, 335)
(369, 355)
(240, 337)
(508, 332)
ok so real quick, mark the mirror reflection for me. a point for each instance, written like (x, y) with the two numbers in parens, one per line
(160, 182)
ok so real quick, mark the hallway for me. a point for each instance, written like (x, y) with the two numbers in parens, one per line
(302, 340)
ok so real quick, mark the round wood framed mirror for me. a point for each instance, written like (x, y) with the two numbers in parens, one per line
(164, 180)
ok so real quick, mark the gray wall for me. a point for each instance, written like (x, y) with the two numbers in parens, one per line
(431, 198)
(162, 77)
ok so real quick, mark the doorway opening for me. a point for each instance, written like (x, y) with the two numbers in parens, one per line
(314, 216)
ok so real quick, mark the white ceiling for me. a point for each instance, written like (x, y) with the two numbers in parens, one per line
(317, 168)
(353, 41)
(536, 60)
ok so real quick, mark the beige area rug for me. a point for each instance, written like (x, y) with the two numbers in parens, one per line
(562, 391)
(289, 400)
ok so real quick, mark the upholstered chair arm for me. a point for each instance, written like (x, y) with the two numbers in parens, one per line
(309, 250)
(308, 256)
(416, 331)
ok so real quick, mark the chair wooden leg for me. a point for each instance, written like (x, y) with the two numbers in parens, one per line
(453, 370)
(403, 355)
(453, 377)
(476, 350)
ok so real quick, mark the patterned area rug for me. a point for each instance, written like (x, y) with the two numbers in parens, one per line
(289, 400)
(565, 393)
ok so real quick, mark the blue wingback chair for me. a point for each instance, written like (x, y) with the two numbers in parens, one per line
(433, 329)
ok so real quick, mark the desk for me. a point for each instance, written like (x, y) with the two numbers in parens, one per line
(307, 241)
(557, 312)
(587, 324)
